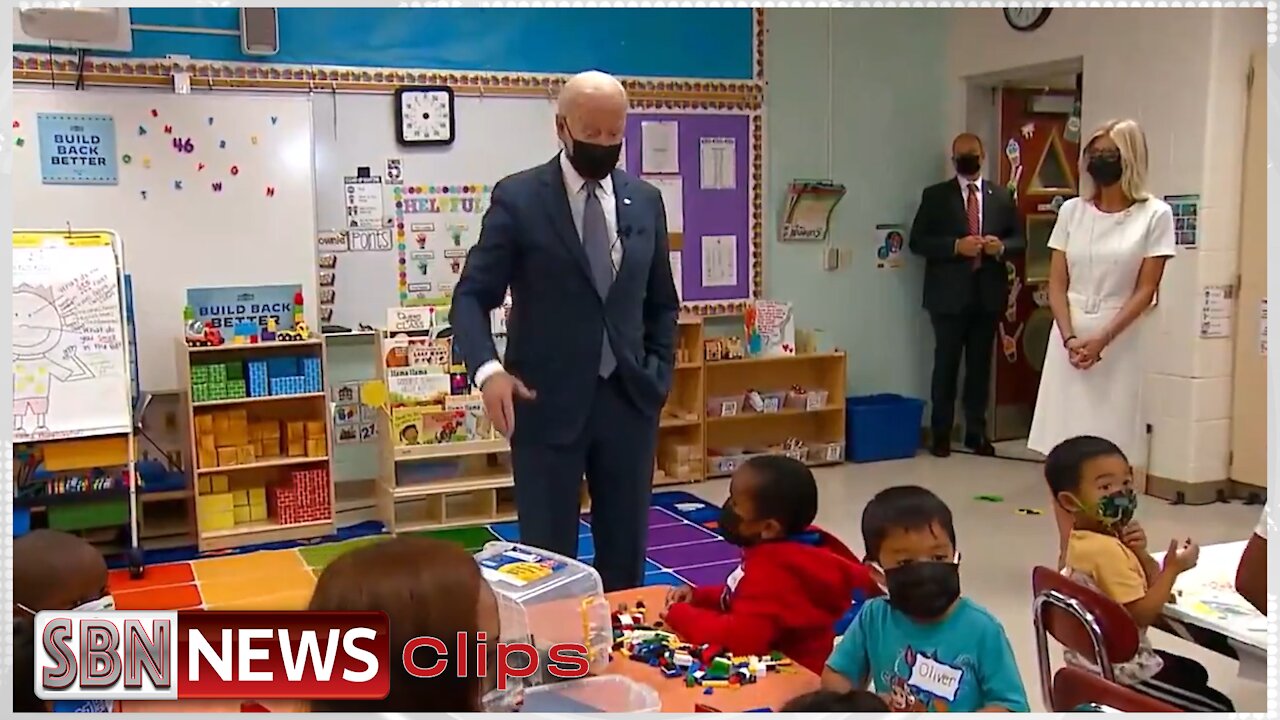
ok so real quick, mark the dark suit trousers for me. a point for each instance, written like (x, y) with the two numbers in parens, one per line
(970, 334)
(615, 451)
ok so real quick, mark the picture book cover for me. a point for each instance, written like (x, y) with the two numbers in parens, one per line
(519, 568)
(417, 386)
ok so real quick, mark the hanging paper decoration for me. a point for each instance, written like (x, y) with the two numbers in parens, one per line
(184, 145)
(210, 120)
(19, 142)
(199, 167)
(271, 192)
(235, 170)
(1029, 131)
(144, 194)
(146, 162)
(168, 129)
(142, 130)
(1009, 343)
(126, 159)
(217, 187)
(222, 144)
(274, 119)
(16, 124)
(177, 184)
(155, 113)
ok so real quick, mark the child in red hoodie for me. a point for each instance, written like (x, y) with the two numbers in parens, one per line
(795, 581)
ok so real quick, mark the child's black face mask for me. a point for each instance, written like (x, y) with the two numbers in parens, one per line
(733, 528)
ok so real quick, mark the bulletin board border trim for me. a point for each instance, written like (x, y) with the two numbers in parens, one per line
(645, 93)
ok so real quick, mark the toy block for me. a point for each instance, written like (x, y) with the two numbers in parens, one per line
(206, 458)
(257, 496)
(240, 498)
(282, 366)
(245, 455)
(314, 429)
(199, 374)
(218, 521)
(258, 512)
(242, 514)
(234, 370)
(295, 430)
(215, 503)
(219, 483)
(203, 486)
(317, 447)
(227, 456)
(217, 373)
(204, 424)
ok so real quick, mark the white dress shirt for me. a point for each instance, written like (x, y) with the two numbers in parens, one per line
(575, 187)
(964, 195)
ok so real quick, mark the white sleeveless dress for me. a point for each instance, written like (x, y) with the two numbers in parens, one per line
(1104, 253)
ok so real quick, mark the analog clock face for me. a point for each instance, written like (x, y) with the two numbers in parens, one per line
(426, 116)
(1026, 18)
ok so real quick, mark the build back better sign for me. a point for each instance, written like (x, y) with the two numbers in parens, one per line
(77, 149)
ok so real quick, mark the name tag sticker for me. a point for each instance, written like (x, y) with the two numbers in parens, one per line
(936, 678)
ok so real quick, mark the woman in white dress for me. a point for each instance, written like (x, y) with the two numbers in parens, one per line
(1109, 250)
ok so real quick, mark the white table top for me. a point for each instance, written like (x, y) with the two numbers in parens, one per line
(1206, 596)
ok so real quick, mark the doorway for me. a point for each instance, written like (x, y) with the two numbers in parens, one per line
(1030, 118)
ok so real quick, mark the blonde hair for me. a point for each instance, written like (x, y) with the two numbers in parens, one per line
(1132, 143)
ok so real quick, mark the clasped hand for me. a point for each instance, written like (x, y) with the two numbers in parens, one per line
(973, 245)
(1084, 354)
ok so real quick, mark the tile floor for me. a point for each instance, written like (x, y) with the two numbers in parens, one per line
(1001, 546)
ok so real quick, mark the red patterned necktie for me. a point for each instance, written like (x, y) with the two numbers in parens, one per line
(975, 219)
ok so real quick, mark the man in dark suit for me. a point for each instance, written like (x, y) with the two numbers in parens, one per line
(590, 337)
(964, 228)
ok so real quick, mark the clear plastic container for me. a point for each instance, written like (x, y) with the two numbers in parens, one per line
(550, 598)
(604, 694)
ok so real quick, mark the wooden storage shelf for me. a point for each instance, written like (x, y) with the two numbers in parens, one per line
(267, 398)
(461, 483)
(313, 495)
(680, 428)
(688, 432)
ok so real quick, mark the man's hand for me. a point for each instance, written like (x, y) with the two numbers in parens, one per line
(500, 391)
(969, 246)
(1134, 537)
(992, 245)
(1182, 556)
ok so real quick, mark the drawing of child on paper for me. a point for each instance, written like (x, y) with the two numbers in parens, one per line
(37, 333)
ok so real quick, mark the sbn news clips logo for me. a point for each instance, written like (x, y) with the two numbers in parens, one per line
(196, 654)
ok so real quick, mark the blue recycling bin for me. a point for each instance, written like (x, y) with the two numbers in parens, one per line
(882, 427)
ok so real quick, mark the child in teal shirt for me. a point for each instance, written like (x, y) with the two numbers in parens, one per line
(923, 647)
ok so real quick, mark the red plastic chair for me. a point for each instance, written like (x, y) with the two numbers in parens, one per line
(1082, 620)
(1073, 688)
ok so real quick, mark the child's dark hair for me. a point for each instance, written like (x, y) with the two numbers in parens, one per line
(785, 491)
(906, 507)
(828, 701)
(24, 663)
(1062, 466)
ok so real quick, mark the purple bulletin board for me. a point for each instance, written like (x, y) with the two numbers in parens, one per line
(707, 212)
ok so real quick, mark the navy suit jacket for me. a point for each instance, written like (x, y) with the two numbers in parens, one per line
(529, 243)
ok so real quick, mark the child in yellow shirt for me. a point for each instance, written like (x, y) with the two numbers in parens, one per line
(1107, 551)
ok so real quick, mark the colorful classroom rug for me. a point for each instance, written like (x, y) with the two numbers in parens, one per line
(684, 547)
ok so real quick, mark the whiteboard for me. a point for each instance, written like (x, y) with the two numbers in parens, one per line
(496, 136)
(70, 362)
(177, 230)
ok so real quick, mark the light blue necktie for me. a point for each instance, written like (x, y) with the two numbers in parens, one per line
(596, 243)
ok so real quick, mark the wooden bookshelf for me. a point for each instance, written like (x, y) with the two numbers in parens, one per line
(681, 437)
(820, 426)
(261, 472)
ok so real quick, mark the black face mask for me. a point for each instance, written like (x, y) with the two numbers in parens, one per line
(967, 165)
(731, 528)
(1105, 170)
(923, 590)
(592, 161)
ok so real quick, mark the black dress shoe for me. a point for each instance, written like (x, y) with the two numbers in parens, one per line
(941, 448)
(980, 446)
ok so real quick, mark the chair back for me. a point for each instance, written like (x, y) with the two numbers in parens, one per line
(1081, 619)
(1073, 687)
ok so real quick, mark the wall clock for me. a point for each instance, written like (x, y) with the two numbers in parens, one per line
(1026, 19)
(424, 115)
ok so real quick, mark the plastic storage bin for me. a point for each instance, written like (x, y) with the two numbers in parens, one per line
(548, 599)
(21, 521)
(882, 427)
(604, 694)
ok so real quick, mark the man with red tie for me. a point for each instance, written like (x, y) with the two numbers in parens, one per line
(964, 229)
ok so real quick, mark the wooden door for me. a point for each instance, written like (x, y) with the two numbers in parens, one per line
(1249, 406)
(1038, 158)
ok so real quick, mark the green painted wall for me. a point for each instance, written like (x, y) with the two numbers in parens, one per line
(887, 110)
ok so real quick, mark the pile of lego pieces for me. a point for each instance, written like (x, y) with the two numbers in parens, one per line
(705, 666)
